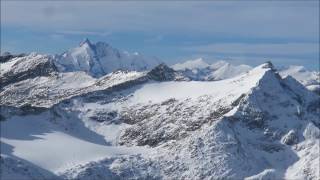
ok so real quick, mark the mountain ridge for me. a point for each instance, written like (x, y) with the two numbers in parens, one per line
(200, 70)
(241, 127)
(85, 58)
(158, 123)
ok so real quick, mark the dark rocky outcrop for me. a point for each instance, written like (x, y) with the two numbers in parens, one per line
(162, 73)
(5, 57)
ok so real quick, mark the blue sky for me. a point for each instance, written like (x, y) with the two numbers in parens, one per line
(249, 32)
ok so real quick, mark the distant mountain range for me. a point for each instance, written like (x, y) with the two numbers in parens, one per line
(95, 112)
(99, 59)
(199, 70)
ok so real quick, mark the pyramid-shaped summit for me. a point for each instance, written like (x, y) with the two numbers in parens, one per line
(98, 59)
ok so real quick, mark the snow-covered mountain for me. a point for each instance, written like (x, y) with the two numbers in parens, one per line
(200, 70)
(25, 67)
(148, 125)
(100, 59)
(191, 64)
(310, 79)
(96, 60)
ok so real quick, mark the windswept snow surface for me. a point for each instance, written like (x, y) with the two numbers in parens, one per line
(45, 144)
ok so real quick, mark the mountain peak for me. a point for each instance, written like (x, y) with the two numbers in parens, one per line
(98, 59)
(191, 64)
(267, 65)
(162, 73)
(85, 41)
(199, 60)
(219, 64)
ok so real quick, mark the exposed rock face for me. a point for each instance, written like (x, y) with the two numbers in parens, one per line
(176, 123)
(162, 73)
(290, 138)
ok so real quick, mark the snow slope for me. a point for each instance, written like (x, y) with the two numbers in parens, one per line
(55, 148)
(194, 89)
(227, 70)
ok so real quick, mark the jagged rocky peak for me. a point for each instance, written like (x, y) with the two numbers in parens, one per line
(95, 46)
(269, 65)
(162, 72)
(85, 42)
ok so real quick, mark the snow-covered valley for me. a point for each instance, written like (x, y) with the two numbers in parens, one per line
(191, 121)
